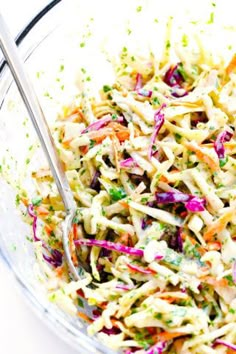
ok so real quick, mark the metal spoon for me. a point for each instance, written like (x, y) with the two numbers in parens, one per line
(29, 97)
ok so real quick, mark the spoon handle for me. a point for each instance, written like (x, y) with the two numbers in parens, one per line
(29, 97)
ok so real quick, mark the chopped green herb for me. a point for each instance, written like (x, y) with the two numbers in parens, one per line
(117, 193)
(144, 200)
(27, 161)
(139, 9)
(178, 137)
(91, 144)
(13, 247)
(182, 71)
(28, 238)
(211, 19)
(158, 316)
(36, 201)
(61, 67)
(223, 161)
(80, 302)
(82, 45)
(168, 45)
(155, 101)
(230, 280)
(106, 88)
(185, 40)
(83, 70)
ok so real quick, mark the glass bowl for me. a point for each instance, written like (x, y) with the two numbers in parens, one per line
(17, 138)
(63, 41)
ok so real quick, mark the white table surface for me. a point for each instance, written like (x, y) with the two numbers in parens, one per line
(21, 332)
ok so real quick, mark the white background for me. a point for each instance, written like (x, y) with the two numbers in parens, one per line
(21, 332)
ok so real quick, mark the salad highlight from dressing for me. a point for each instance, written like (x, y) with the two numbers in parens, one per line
(152, 166)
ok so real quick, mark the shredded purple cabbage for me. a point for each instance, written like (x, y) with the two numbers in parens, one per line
(96, 314)
(139, 269)
(35, 218)
(124, 287)
(171, 197)
(129, 163)
(101, 123)
(144, 92)
(234, 272)
(159, 121)
(192, 203)
(196, 204)
(95, 182)
(179, 239)
(178, 92)
(173, 76)
(139, 81)
(175, 241)
(110, 246)
(226, 344)
(113, 247)
(56, 256)
(219, 146)
(143, 224)
(110, 331)
(157, 348)
(55, 262)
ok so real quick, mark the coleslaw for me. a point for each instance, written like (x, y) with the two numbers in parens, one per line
(152, 168)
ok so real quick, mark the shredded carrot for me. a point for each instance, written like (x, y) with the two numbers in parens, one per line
(230, 351)
(123, 135)
(84, 317)
(200, 249)
(25, 201)
(152, 330)
(178, 344)
(72, 249)
(60, 270)
(66, 143)
(99, 135)
(124, 204)
(170, 300)
(84, 149)
(48, 229)
(166, 336)
(80, 293)
(124, 238)
(41, 211)
(231, 66)
(214, 282)
(218, 226)
(75, 233)
(202, 156)
(214, 246)
(164, 179)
